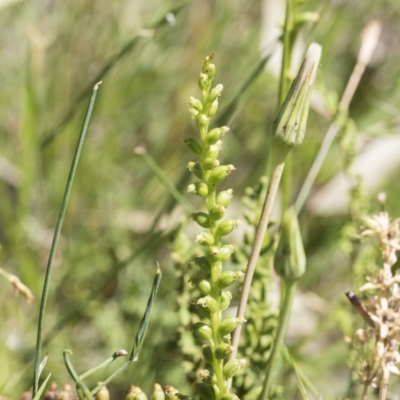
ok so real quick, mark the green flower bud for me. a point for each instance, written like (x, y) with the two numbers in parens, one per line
(218, 174)
(202, 284)
(209, 303)
(224, 198)
(205, 239)
(195, 103)
(226, 252)
(199, 188)
(202, 121)
(194, 112)
(158, 393)
(202, 219)
(193, 144)
(207, 354)
(228, 277)
(171, 392)
(227, 226)
(223, 350)
(232, 367)
(135, 393)
(203, 263)
(215, 93)
(215, 134)
(202, 330)
(217, 212)
(196, 169)
(203, 81)
(212, 109)
(214, 150)
(290, 258)
(226, 298)
(290, 125)
(207, 67)
(229, 396)
(210, 163)
(103, 393)
(228, 325)
(205, 391)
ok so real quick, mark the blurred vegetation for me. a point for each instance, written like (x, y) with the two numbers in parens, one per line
(120, 219)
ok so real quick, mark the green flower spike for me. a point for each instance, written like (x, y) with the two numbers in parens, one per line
(289, 127)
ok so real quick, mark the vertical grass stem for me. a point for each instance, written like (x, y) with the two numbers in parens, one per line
(57, 235)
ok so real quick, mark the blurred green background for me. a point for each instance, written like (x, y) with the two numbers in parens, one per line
(120, 219)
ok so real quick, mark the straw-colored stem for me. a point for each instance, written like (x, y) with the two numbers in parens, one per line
(56, 236)
(278, 166)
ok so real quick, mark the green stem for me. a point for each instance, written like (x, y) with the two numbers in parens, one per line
(278, 166)
(56, 237)
(284, 314)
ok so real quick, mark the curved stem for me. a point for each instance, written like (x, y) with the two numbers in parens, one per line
(284, 314)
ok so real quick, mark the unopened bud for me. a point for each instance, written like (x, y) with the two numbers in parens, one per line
(202, 120)
(218, 174)
(102, 394)
(199, 188)
(203, 263)
(209, 303)
(158, 393)
(217, 212)
(202, 284)
(202, 219)
(135, 393)
(195, 103)
(290, 125)
(228, 277)
(223, 350)
(196, 169)
(224, 198)
(227, 226)
(290, 258)
(232, 367)
(202, 330)
(205, 239)
(228, 325)
(215, 134)
(226, 298)
(216, 92)
(207, 354)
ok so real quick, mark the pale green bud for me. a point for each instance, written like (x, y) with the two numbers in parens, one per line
(217, 212)
(202, 120)
(203, 81)
(232, 367)
(207, 354)
(229, 324)
(158, 393)
(202, 284)
(195, 103)
(202, 330)
(227, 226)
(171, 392)
(223, 350)
(209, 303)
(135, 393)
(228, 277)
(290, 125)
(205, 239)
(212, 109)
(199, 188)
(224, 198)
(226, 298)
(210, 163)
(214, 149)
(290, 258)
(103, 393)
(218, 174)
(202, 219)
(215, 134)
(204, 374)
(215, 93)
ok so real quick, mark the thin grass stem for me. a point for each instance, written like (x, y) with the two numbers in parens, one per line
(56, 236)
(284, 314)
